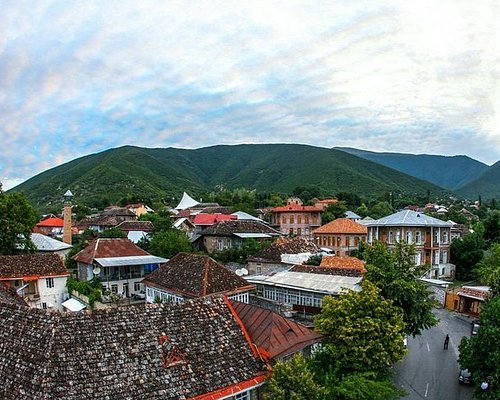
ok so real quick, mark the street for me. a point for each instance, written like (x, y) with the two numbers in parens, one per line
(430, 372)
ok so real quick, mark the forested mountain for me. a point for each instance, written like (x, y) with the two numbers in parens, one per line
(167, 172)
(487, 185)
(450, 172)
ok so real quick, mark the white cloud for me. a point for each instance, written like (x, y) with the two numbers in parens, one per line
(80, 77)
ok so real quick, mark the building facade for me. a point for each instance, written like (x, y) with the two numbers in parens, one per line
(430, 236)
(296, 219)
(342, 236)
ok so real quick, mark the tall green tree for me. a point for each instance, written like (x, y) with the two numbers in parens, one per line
(293, 380)
(395, 274)
(334, 211)
(380, 210)
(112, 233)
(17, 219)
(466, 252)
(488, 269)
(481, 352)
(492, 227)
(168, 243)
(363, 332)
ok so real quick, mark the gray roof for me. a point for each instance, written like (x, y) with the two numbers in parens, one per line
(45, 243)
(244, 215)
(129, 260)
(318, 283)
(352, 215)
(408, 218)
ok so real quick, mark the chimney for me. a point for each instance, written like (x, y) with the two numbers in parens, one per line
(67, 217)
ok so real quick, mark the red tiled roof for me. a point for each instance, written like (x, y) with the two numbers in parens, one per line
(343, 263)
(146, 226)
(295, 208)
(210, 219)
(51, 222)
(112, 247)
(473, 293)
(341, 225)
(271, 332)
(31, 265)
(195, 275)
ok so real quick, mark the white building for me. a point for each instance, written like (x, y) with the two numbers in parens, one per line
(40, 279)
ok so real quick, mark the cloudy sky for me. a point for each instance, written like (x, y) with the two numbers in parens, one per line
(78, 77)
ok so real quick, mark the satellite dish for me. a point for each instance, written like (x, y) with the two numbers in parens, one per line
(96, 270)
(244, 271)
(239, 272)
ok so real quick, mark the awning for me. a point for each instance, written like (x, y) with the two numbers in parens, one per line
(73, 305)
(252, 235)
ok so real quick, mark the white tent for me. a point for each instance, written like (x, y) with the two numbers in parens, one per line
(186, 202)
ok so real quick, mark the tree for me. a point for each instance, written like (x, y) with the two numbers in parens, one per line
(168, 243)
(334, 211)
(161, 220)
(113, 233)
(17, 219)
(380, 210)
(480, 354)
(488, 269)
(466, 252)
(293, 380)
(362, 210)
(364, 386)
(363, 331)
(395, 274)
(492, 227)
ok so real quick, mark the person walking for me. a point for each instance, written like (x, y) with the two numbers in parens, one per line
(446, 341)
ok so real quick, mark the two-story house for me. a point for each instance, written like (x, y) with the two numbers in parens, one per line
(40, 279)
(187, 276)
(430, 236)
(296, 219)
(341, 236)
(118, 263)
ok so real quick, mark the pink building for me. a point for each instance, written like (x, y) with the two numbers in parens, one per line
(296, 218)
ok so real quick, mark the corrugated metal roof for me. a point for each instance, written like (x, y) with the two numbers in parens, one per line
(408, 218)
(130, 260)
(328, 284)
(73, 305)
(252, 235)
(45, 243)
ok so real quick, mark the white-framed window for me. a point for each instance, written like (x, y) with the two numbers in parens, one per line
(444, 256)
(436, 257)
(243, 396)
(220, 244)
(391, 237)
(418, 258)
(418, 237)
(445, 237)
(409, 238)
(398, 236)
(137, 286)
(49, 282)
(114, 289)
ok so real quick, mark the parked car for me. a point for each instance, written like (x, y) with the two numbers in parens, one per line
(465, 376)
(474, 327)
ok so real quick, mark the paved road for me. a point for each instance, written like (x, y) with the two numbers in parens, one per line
(428, 371)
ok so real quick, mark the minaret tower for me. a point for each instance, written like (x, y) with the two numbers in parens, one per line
(67, 217)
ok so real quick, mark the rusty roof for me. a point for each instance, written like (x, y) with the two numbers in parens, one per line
(145, 226)
(285, 245)
(120, 353)
(38, 264)
(342, 225)
(195, 275)
(9, 295)
(271, 332)
(343, 262)
(109, 247)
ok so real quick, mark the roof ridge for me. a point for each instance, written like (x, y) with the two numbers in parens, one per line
(205, 277)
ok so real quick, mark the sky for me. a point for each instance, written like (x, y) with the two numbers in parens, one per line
(79, 77)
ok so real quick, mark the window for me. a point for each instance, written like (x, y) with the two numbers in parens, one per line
(243, 396)
(299, 231)
(409, 238)
(398, 236)
(137, 286)
(391, 237)
(44, 306)
(299, 219)
(291, 231)
(445, 256)
(220, 244)
(418, 258)
(292, 219)
(306, 219)
(114, 289)
(418, 237)
(436, 237)
(258, 269)
(283, 219)
(49, 282)
(445, 237)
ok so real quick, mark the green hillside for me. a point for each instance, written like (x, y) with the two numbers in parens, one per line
(450, 172)
(165, 173)
(487, 185)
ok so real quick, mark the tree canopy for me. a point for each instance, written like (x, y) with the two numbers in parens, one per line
(466, 252)
(167, 243)
(395, 274)
(334, 211)
(17, 219)
(363, 331)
